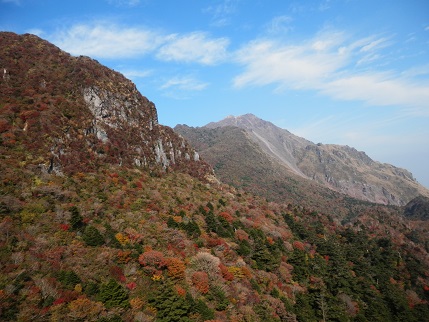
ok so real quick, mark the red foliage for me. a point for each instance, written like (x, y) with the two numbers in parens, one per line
(28, 115)
(298, 245)
(212, 242)
(131, 285)
(201, 282)
(59, 301)
(152, 258)
(226, 274)
(64, 227)
(180, 291)
(227, 216)
(4, 125)
(117, 273)
(240, 234)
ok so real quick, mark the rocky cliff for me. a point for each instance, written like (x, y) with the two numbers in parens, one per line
(72, 114)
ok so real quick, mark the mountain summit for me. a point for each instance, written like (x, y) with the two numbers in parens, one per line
(340, 168)
(72, 114)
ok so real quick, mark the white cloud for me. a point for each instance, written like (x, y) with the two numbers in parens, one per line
(37, 32)
(105, 40)
(194, 47)
(133, 74)
(289, 66)
(184, 83)
(329, 64)
(222, 12)
(280, 24)
(380, 89)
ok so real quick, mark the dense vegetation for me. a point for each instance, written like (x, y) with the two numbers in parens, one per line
(99, 241)
(120, 245)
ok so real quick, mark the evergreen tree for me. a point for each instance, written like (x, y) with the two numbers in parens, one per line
(113, 294)
(92, 237)
(76, 219)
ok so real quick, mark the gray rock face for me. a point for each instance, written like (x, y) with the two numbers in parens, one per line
(88, 114)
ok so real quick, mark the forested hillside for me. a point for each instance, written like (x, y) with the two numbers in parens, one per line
(120, 245)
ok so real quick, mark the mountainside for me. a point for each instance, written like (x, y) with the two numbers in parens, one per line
(417, 209)
(241, 162)
(107, 216)
(340, 168)
(71, 114)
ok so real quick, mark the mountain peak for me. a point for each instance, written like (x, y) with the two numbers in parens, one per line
(338, 167)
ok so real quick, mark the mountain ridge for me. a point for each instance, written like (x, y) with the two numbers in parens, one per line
(338, 167)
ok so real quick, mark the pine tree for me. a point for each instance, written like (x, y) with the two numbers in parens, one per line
(113, 294)
(92, 236)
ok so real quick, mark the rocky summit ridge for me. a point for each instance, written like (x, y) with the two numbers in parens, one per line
(72, 114)
(338, 167)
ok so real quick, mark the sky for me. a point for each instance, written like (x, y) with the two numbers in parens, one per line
(350, 72)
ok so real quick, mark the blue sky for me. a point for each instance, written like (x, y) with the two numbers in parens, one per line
(352, 72)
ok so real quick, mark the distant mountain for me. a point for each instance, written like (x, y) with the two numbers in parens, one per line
(73, 114)
(339, 168)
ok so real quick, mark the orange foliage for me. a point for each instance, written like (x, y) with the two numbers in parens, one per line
(180, 291)
(136, 303)
(298, 245)
(201, 282)
(84, 308)
(176, 267)
(124, 256)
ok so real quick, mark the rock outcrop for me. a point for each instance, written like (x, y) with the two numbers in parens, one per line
(73, 114)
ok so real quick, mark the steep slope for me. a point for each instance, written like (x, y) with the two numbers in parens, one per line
(71, 113)
(238, 160)
(417, 209)
(340, 168)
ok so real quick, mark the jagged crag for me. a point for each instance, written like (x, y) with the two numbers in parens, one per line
(105, 215)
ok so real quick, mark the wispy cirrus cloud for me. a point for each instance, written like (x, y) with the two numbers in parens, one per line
(182, 87)
(335, 65)
(194, 47)
(221, 13)
(134, 73)
(184, 83)
(294, 66)
(280, 24)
